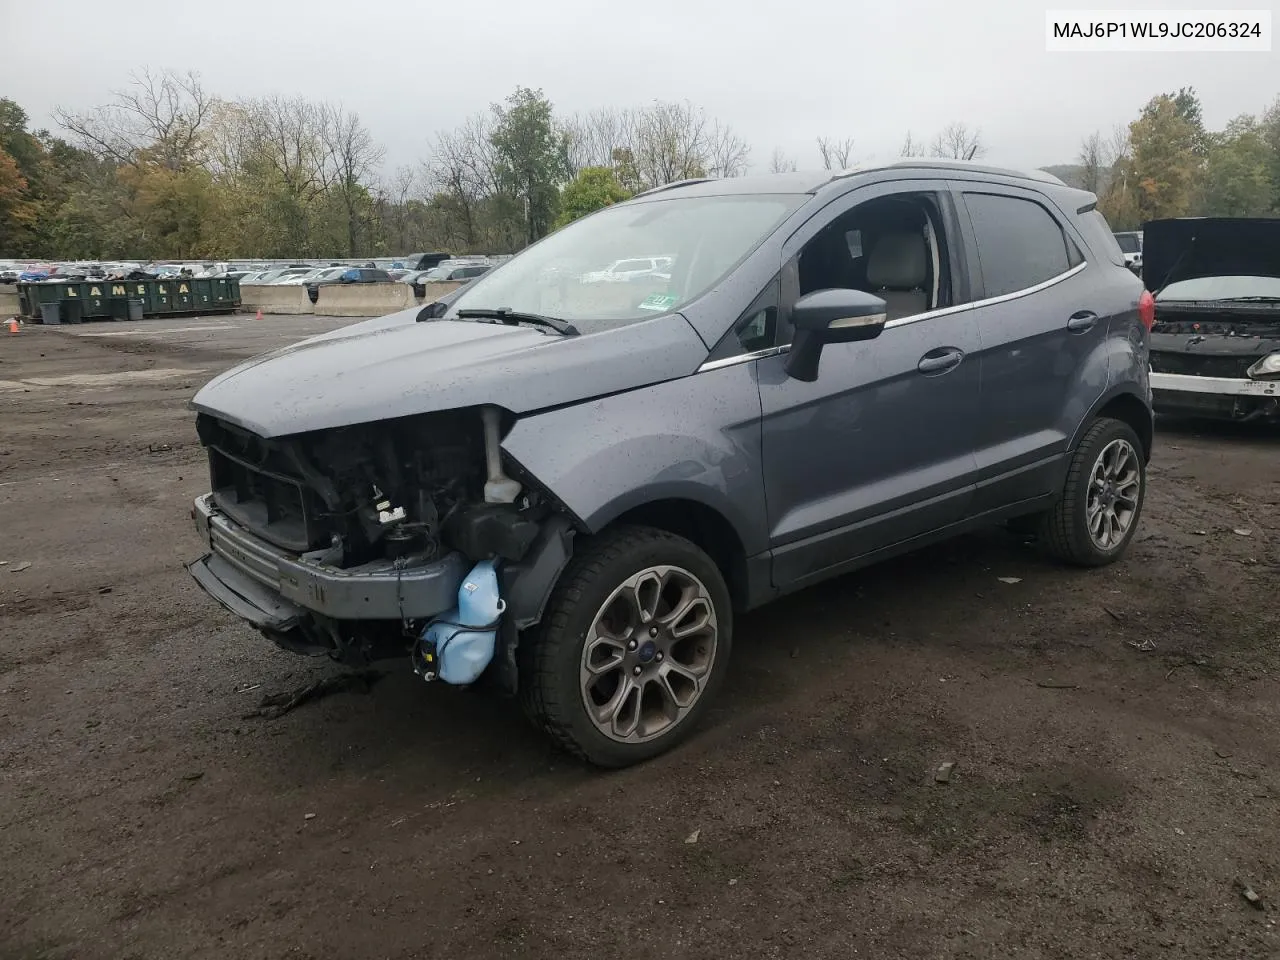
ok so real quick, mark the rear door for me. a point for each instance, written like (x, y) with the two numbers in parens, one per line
(1041, 318)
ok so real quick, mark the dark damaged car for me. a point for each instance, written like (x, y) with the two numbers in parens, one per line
(570, 490)
(1215, 347)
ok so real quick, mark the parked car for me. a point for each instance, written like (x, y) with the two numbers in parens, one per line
(1130, 243)
(9, 276)
(623, 271)
(563, 491)
(336, 275)
(1215, 347)
(424, 261)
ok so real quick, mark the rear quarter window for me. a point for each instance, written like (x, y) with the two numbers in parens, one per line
(1097, 234)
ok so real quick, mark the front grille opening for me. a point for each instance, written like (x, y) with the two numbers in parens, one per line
(1199, 365)
(251, 483)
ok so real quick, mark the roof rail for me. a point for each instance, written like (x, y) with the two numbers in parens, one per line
(672, 185)
(929, 163)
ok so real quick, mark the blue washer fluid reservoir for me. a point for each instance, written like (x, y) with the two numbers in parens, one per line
(457, 645)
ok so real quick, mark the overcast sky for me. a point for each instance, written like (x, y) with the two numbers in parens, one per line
(780, 73)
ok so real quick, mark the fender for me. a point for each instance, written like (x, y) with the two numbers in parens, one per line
(696, 438)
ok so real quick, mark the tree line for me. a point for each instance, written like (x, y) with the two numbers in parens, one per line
(1167, 164)
(166, 169)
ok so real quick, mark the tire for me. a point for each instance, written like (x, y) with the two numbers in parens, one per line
(609, 580)
(1066, 530)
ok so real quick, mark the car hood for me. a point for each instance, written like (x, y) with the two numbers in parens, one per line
(395, 367)
(1190, 247)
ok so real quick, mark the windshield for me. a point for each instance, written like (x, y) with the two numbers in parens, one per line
(1129, 242)
(1223, 288)
(703, 237)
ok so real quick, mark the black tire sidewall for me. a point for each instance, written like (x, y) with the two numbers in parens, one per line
(1088, 454)
(633, 551)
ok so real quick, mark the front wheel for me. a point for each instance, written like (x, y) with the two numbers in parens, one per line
(632, 647)
(1097, 517)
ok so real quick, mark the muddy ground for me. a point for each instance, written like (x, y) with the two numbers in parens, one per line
(1116, 736)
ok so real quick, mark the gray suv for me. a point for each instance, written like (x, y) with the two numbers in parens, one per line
(569, 490)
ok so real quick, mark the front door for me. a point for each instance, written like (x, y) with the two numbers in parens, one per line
(879, 449)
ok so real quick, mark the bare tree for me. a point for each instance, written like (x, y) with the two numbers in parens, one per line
(398, 193)
(835, 153)
(1118, 144)
(594, 137)
(910, 148)
(779, 162)
(726, 153)
(159, 115)
(351, 156)
(463, 171)
(958, 142)
(1092, 162)
(288, 137)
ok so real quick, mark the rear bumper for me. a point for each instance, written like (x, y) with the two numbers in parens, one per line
(273, 589)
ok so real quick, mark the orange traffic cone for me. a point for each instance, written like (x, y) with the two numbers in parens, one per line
(13, 324)
(259, 316)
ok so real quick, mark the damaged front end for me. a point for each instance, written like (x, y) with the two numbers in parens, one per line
(1217, 363)
(1215, 345)
(375, 540)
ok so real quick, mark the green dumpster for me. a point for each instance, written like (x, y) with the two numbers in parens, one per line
(162, 302)
(221, 295)
(233, 291)
(203, 294)
(94, 298)
(184, 298)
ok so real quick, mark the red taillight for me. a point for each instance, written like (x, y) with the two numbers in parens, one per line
(1147, 310)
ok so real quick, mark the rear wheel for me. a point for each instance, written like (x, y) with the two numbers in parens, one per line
(1097, 517)
(632, 648)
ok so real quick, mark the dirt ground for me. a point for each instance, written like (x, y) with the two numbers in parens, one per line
(1116, 735)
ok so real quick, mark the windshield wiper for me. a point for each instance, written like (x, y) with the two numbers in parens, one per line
(1250, 300)
(507, 315)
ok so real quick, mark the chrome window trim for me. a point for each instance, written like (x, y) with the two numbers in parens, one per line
(903, 321)
(743, 358)
(989, 301)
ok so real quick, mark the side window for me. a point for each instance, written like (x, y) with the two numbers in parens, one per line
(757, 330)
(1020, 244)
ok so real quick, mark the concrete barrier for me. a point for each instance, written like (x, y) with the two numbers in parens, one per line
(290, 298)
(364, 299)
(435, 289)
(9, 302)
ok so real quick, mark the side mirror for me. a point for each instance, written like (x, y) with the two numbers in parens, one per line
(830, 316)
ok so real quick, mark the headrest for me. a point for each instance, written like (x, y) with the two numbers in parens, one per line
(897, 261)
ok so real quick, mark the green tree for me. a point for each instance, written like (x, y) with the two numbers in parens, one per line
(1271, 136)
(1162, 167)
(17, 212)
(1238, 172)
(592, 189)
(532, 157)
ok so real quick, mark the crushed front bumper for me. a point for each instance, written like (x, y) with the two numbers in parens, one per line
(273, 589)
(1226, 397)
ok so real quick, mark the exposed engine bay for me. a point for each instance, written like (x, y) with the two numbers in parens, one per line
(392, 495)
(1225, 341)
(396, 489)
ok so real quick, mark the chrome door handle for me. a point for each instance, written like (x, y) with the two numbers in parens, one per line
(940, 360)
(1082, 321)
